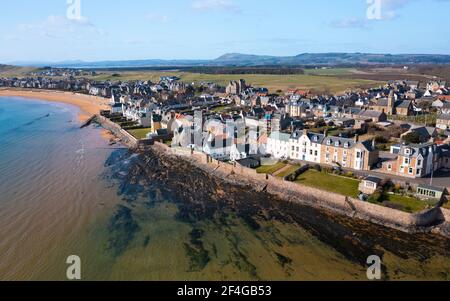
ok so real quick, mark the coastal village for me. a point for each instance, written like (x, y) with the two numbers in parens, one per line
(388, 145)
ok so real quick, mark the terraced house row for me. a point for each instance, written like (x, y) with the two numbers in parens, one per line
(410, 161)
(323, 149)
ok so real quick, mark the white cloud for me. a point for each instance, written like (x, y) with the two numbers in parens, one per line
(155, 17)
(203, 5)
(350, 23)
(390, 8)
(59, 27)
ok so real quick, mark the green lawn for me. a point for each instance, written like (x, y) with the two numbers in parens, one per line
(219, 109)
(429, 119)
(331, 71)
(288, 171)
(318, 83)
(409, 204)
(140, 133)
(270, 169)
(332, 183)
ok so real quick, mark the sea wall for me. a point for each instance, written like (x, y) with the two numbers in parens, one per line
(126, 138)
(436, 219)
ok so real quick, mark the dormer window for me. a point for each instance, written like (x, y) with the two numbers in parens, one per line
(408, 151)
(328, 142)
(337, 143)
(315, 138)
(346, 145)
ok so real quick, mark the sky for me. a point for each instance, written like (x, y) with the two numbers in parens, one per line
(54, 31)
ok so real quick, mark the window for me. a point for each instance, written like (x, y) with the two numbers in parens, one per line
(407, 161)
(315, 153)
(389, 167)
(408, 151)
(370, 184)
(411, 171)
(419, 163)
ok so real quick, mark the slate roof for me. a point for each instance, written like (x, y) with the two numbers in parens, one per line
(403, 104)
(373, 179)
(314, 137)
(280, 136)
(418, 149)
(339, 141)
(370, 113)
(444, 117)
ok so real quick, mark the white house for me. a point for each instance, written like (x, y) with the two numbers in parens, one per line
(239, 152)
(218, 150)
(278, 145)
(145, 119)
(306, 146)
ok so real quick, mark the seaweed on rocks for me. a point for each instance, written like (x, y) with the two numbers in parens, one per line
(196, 252)
(122, 229)
(283, 260)
(202, 197)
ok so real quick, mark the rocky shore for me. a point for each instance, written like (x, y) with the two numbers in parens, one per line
(436, 220)
(214, 207)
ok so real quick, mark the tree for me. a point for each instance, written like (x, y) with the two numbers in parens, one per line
(412, 137)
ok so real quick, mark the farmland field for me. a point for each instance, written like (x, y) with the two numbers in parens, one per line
(316, 83)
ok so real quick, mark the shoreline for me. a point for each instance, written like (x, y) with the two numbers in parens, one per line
(433, 221)
(87, 104)
(423, 222)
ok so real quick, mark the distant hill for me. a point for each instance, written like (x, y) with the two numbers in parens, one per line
(333, 59)
(238, 59)
(8, 70)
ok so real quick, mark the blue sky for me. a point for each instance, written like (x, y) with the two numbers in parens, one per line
(32, 30)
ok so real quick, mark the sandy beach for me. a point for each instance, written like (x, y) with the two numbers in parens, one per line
(89, 105)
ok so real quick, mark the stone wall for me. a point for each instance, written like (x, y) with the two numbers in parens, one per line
(125, 137)
(304, 195)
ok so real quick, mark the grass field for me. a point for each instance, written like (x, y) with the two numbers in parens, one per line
(140, 133)
(270, 169)
(15, 71)
(331, 183)
(317, 83)
(288, 171)
(409, 204)
(331, 71)
(428, 119)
